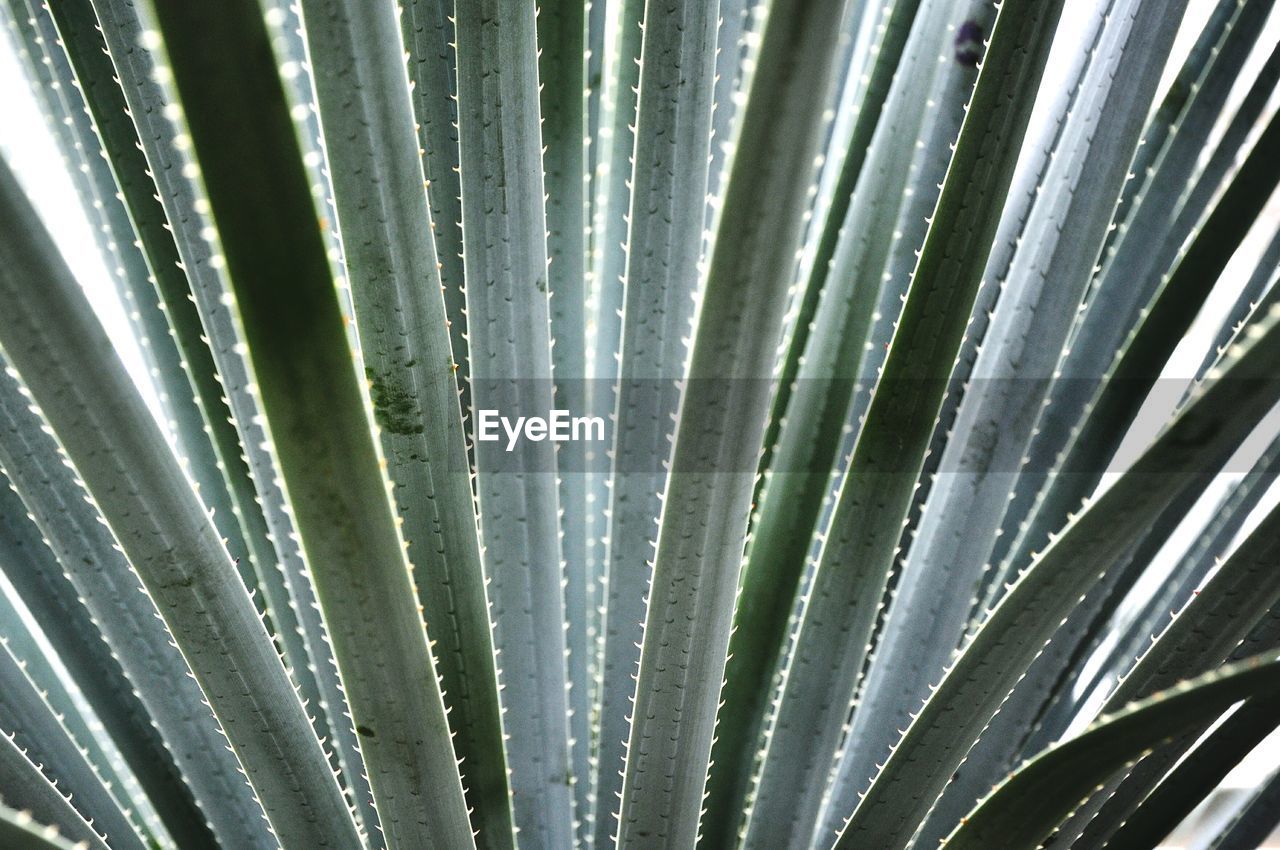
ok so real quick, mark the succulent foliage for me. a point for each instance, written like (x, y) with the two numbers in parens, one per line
(882, 545)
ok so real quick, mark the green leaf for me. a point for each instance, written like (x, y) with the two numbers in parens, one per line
(508, 319)
(20, 831)
(1120, 306)
(1207, 432)
(1196, 777)
(613, 147)
(1173, 119)
(149, 726)
(75, 671)
(234, 492)
(995, 423)
(1254, 823)
(46, 742)
(27, 790)
(809, 437)
(894, 24)
(248, 157)
(855, 317)
(876, 493)
(1258, 293)
(103, 194)
(1219, 616)
(561, 75)
(51, 336)
(427, 29)
(739, 21)
(668, 208)
(315, 672)
(721, 422)
(390, 261)
(1024, 809)
(1129, 638)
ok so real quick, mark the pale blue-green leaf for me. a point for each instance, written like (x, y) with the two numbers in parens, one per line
(562, 77)
(311, 661)
(508, 321)
(664, 238)
(44, 738)
(1041, 294)
(28, 791)
(1154, 233)
(875, 497)
(390, 262)
(1205, 434)
(719, 434)
(1023, 810)
(51, 336)
(103, 198)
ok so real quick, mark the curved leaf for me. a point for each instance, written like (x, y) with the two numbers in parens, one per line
(1020, 813)
(1204, 435)
(103, 195)
(51, 336)
(20, 831)
(26, 789)
(1198, 775)
(44, 739)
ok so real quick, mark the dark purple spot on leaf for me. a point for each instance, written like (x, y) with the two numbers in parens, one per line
(970, 44)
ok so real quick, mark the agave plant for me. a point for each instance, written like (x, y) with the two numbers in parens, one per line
(633, 424)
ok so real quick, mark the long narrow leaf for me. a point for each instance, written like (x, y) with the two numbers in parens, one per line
(1011, 377)
(508, 320)
(720, 429)
(140, 76)
(21, 832)
(935, 743)
(1023, 810)
(390, 259)
(1117, 307)
(114, 634)
(327, 452)
(66, 359)
(45, 740)
(27, 790)
(1256, 820)
(78, 27)
(135, 277)
(668, 206)
(562, 69)
(427, 29)
(1198, 775)
(811, 434)
(875, 496)
(98, 708)
(1204, 633)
